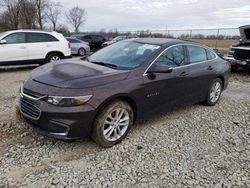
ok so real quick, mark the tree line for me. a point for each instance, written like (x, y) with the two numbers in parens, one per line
(39, 14)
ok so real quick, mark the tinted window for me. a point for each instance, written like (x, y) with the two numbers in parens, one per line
(196, 54)
(40, 37)
(15, 38)
(87, 37)
(172, 57)
(210, 55)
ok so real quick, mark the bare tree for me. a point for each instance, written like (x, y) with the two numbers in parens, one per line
(76, 16)
(28, 14)
(41, 6)
(12, 12)
(52, 12)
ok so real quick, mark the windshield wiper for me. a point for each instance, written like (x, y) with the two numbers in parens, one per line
(104, 64)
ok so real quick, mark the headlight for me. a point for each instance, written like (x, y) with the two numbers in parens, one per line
(68, 101)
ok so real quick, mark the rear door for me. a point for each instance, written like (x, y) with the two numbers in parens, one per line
(200, 71)
(39, 44)
(75, 44)
(15, 49)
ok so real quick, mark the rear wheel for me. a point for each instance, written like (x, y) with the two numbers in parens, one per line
(81, 52)
(113, 123)
(53, 57)
(214, 92)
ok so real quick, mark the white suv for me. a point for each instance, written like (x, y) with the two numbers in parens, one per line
(31, 47)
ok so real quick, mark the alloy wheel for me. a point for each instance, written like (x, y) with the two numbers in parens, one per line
(116, 124)
(215, 92)
(55, 58)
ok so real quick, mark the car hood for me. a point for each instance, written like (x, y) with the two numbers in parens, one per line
(245, 33)
(76, 74)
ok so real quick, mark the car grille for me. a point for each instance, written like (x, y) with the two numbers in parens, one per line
(242, 54)
(29, 110)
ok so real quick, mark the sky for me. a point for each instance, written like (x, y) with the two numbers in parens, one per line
(130, 15)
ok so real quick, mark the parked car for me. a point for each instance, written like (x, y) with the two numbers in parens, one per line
(239, 54)
(95, 41)
(114, 40)
(118, 38)
(32, 47)
(78, 47)
(131, 79)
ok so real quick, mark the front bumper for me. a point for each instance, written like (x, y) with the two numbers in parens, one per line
(233, 61)
(65, 123)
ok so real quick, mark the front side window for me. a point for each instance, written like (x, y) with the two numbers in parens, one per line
(40, 37)
(124, 54)
(172, 57)
(196, 54)
(15, 38)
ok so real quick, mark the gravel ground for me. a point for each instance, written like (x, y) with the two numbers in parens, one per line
(194, 146)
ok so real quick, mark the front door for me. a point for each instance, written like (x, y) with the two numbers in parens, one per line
(164, 90)
(15, 49)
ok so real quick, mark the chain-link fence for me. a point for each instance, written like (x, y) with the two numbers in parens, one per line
(221, 38)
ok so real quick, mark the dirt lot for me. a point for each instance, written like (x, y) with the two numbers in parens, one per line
(220, 43)
(195, 146)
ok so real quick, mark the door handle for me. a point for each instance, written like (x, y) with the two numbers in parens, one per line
(183, 74)
(23, 47)
(210, 68)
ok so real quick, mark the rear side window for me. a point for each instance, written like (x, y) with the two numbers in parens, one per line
(87, 37)
(40, 37)
(196, 54)
(15, 38)
(210, 55)
(172, 57)
(73, 40)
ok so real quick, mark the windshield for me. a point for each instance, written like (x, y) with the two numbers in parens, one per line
(124, 54)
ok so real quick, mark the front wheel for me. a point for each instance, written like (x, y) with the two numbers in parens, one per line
(113, 123)
(214, 92)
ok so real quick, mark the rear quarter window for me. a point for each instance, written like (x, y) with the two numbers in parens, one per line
(210, 54)
(40, 37)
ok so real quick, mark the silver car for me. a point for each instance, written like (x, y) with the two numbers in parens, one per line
(78, 47)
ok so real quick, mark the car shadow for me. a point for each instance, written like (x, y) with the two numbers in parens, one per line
(17, 68)
(241, 71)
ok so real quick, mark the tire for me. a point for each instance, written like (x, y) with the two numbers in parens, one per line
(53, 57)
(214, 92)
(109, 121)
(81, 52)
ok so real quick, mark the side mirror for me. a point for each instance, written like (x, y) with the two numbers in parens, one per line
(160, 69)
(3, 42)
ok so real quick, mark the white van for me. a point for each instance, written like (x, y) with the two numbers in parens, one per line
(32, 47)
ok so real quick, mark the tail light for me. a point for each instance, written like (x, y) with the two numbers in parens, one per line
(69, 45)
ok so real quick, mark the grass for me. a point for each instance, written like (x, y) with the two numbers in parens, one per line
(212, 42)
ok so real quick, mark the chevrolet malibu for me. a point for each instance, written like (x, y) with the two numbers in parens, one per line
(105, 93)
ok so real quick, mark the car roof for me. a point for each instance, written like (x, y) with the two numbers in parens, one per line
(32, 31)
(159, 41)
